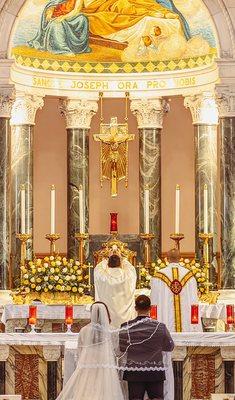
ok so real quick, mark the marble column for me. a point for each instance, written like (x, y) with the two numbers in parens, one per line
(22, 122)
(78, 114)
(226, 104)
(204, 112)
(5, 111)
(149, 113)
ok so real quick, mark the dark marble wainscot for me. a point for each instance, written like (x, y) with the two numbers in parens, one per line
(78, 174)
(227, 174)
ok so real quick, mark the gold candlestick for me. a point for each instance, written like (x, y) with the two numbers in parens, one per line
(177, 237)
(206, 237)
(81, 238)
(52, 237)
(147, 237)
(23, 237)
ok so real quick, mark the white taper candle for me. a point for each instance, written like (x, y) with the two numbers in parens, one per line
(177, 209)
(146, 210)
(81, 210)
(205, 209)
(52, 210)
(22, 206)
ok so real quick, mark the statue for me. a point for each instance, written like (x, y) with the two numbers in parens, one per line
(114, 140)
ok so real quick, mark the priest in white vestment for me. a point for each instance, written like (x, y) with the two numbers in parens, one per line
(174, 290)
(115, 284)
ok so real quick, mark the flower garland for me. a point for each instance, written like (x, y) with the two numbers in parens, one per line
(199, 271)
(54, 274)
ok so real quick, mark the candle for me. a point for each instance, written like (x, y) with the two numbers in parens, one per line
(146, 210)
(32, 315)
(22, 204)
(177, 209)
(205, 209)
(153, 312)
(69, 315)
(230, 314)
(113, 222)
(81, 211)
(194, 314)
(52, 210)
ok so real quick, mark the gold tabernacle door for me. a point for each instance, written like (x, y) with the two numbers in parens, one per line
(122, 247)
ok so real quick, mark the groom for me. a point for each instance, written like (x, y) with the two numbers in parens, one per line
(115, 284)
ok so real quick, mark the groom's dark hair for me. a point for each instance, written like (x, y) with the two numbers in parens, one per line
(114, 261)
(142, 303)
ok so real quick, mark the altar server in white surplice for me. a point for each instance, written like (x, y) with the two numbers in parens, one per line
(115, 284)
(174, 290)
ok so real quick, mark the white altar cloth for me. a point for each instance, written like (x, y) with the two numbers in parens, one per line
(13, 311)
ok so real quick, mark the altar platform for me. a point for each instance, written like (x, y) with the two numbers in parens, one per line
(203, 364)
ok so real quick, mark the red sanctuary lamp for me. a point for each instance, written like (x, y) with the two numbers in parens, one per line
(69, 317)
(230, 315)
(153, 312)
(113, 223)
(194, 314)
(32, 317)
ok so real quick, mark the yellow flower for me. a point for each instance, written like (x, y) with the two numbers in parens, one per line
(26, 282)
(38, 280)
(57, 270)
(33, 285)
(45, 289)
(60, 281)
(45, 278)
(39, 261)
(38, 288)
(56, 278)
(52, 258)
(68, 288)
(58, 287)
(34, 271)
(31, 264)
(79, 279)
(51, 277)
(80, 290)
(79, 272)
(27, 290)
(50, 287)
(74, 289)
(58, 258)
(46, 259)
(75, 267)
(45, 265)
(52, 270)
(32, 279)
(23, 269)
(53, 263)
(26, 276)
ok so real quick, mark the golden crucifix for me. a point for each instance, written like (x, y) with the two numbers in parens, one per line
(114, 140)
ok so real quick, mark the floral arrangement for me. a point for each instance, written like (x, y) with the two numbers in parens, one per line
(54, 274)
(200, 272)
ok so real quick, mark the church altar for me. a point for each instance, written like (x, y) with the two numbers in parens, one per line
(203, 363)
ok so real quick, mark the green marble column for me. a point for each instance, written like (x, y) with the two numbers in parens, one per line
(226, 103)
(5, 110)
(22, 123)
(204, 112)
(78, 114)
(149, 113)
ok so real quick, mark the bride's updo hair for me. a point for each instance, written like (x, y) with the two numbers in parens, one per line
(114, 261)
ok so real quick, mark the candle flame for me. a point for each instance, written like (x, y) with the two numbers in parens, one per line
(177, 187)
(52, 187)
(22, 187)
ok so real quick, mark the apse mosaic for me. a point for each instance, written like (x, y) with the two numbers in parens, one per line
(114, 35)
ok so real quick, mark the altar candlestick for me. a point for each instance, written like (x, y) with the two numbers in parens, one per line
(69, 315)
(177, 209)
(146, 210)
(205, 209)
(153, 312)
(52, 210)
(113, 223)
(22, 204)
(230, 314)
(194, 314)
(81, 210)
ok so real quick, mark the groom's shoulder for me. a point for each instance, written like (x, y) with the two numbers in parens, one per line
(132, 321)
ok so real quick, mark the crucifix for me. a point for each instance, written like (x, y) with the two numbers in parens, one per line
(114, 140)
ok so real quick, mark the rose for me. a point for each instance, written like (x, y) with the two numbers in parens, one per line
(52, 270)
(67, 278)
(38, 288)
(46, 278)
(39, 269)
(38, 280)
(26, 282)
(27, 290)
(60, 281)
(52, 258)
(50, 287)
(57, 270)
(26, 276)
(186, 261)
(80, 290)
(58, 263)
(56, 278)
(33, 286)
(32, 279)
(68, 288)
(79, 272)
(73, 277)
(53, 263)
(74, 289)
(77, 263)
(65, 269)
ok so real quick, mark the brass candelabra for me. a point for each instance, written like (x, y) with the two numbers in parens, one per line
(81, 238)
(52, 237)
(147, 238)
(177, 237)
(23, 237)
(206, 237)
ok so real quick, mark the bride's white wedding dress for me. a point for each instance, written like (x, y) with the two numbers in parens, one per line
(96, 376)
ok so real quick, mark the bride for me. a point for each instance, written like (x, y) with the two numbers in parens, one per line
(96, 375)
